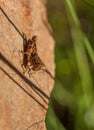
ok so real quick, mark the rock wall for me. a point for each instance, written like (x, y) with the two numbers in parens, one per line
(23, 99)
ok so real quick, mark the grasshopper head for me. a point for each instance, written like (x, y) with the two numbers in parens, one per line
(34, 38)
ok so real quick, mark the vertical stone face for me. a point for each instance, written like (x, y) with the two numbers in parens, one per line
(23, 99)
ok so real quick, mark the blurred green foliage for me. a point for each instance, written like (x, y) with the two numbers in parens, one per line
(71, 105)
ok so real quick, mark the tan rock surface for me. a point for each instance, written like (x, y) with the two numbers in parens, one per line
(24, 100)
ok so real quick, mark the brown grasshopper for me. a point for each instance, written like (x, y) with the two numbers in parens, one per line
(31, 60)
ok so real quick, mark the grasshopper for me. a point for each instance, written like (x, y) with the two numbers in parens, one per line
(31, 60)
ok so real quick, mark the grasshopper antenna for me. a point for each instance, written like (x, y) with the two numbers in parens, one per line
(11, 22)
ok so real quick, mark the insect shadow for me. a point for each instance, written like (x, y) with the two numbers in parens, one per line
(31, 85)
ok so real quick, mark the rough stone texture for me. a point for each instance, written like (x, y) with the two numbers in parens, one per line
(20, 109)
